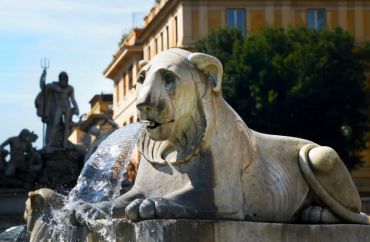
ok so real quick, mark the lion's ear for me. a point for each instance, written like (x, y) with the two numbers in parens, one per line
(36, 200)
(210, 66)
(142, 63)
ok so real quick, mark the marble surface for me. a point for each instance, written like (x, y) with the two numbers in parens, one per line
(208, 230)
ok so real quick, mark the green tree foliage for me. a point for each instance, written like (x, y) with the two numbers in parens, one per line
(298, 82)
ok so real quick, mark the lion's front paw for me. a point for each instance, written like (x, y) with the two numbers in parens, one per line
(154, 207)
(132, 210)
(147, 209)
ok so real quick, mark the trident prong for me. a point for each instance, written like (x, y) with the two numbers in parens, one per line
(45, 63)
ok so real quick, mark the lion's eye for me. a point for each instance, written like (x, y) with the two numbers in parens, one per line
(141, 78)
(170, 80)
(169, 77)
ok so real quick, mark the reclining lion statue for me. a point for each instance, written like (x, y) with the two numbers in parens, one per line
(200, 160)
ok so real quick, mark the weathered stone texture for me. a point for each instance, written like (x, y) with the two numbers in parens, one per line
(219, 231)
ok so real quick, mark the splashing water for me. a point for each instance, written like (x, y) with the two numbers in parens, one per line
(100, 180)
(101, 177)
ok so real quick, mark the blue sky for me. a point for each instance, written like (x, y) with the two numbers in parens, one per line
(78, 36)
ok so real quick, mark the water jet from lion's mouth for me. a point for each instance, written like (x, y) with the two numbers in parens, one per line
(150, 123)
(153, 124)
(100, 180)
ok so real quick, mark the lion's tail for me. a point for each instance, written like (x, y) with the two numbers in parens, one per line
(331, 203)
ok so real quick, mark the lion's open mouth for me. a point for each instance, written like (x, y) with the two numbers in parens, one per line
(153, 124)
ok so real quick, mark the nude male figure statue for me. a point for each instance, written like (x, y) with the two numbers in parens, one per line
(53, 105)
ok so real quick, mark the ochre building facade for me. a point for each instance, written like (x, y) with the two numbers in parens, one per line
(101, 109)
(176, 23)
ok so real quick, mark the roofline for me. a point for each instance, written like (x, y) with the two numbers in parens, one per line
(126, 50)
(107, 97)
(160, 16)
(109, 71)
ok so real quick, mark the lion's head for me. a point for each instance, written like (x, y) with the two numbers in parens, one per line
(175, 91)
(39, 203)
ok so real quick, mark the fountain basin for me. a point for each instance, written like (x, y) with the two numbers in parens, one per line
(221, 230)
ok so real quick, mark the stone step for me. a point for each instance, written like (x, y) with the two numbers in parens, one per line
(220, 231)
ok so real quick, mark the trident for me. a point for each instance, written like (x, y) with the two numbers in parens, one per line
(45, 64)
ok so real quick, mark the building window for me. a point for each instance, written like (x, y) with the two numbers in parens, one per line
(149, 54)
(176, 32)
(131, 119)
(162, 48)
(316, 19)
(156, 46)
(117, 91)
(168, 38)
(235, 18)
(130, 70)
(124, 84)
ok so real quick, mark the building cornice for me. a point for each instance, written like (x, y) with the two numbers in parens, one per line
(131, 44)
(117, 62)
(158, 19)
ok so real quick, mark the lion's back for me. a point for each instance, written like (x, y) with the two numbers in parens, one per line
(274, 175)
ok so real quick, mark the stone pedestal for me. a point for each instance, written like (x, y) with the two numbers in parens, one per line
(220, 231)
(62, 166)
(12, 204)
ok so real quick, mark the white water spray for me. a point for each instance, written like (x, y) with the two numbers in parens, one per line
(100, 180)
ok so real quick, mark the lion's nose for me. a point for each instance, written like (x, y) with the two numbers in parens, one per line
(144, 103)
(143, 107)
